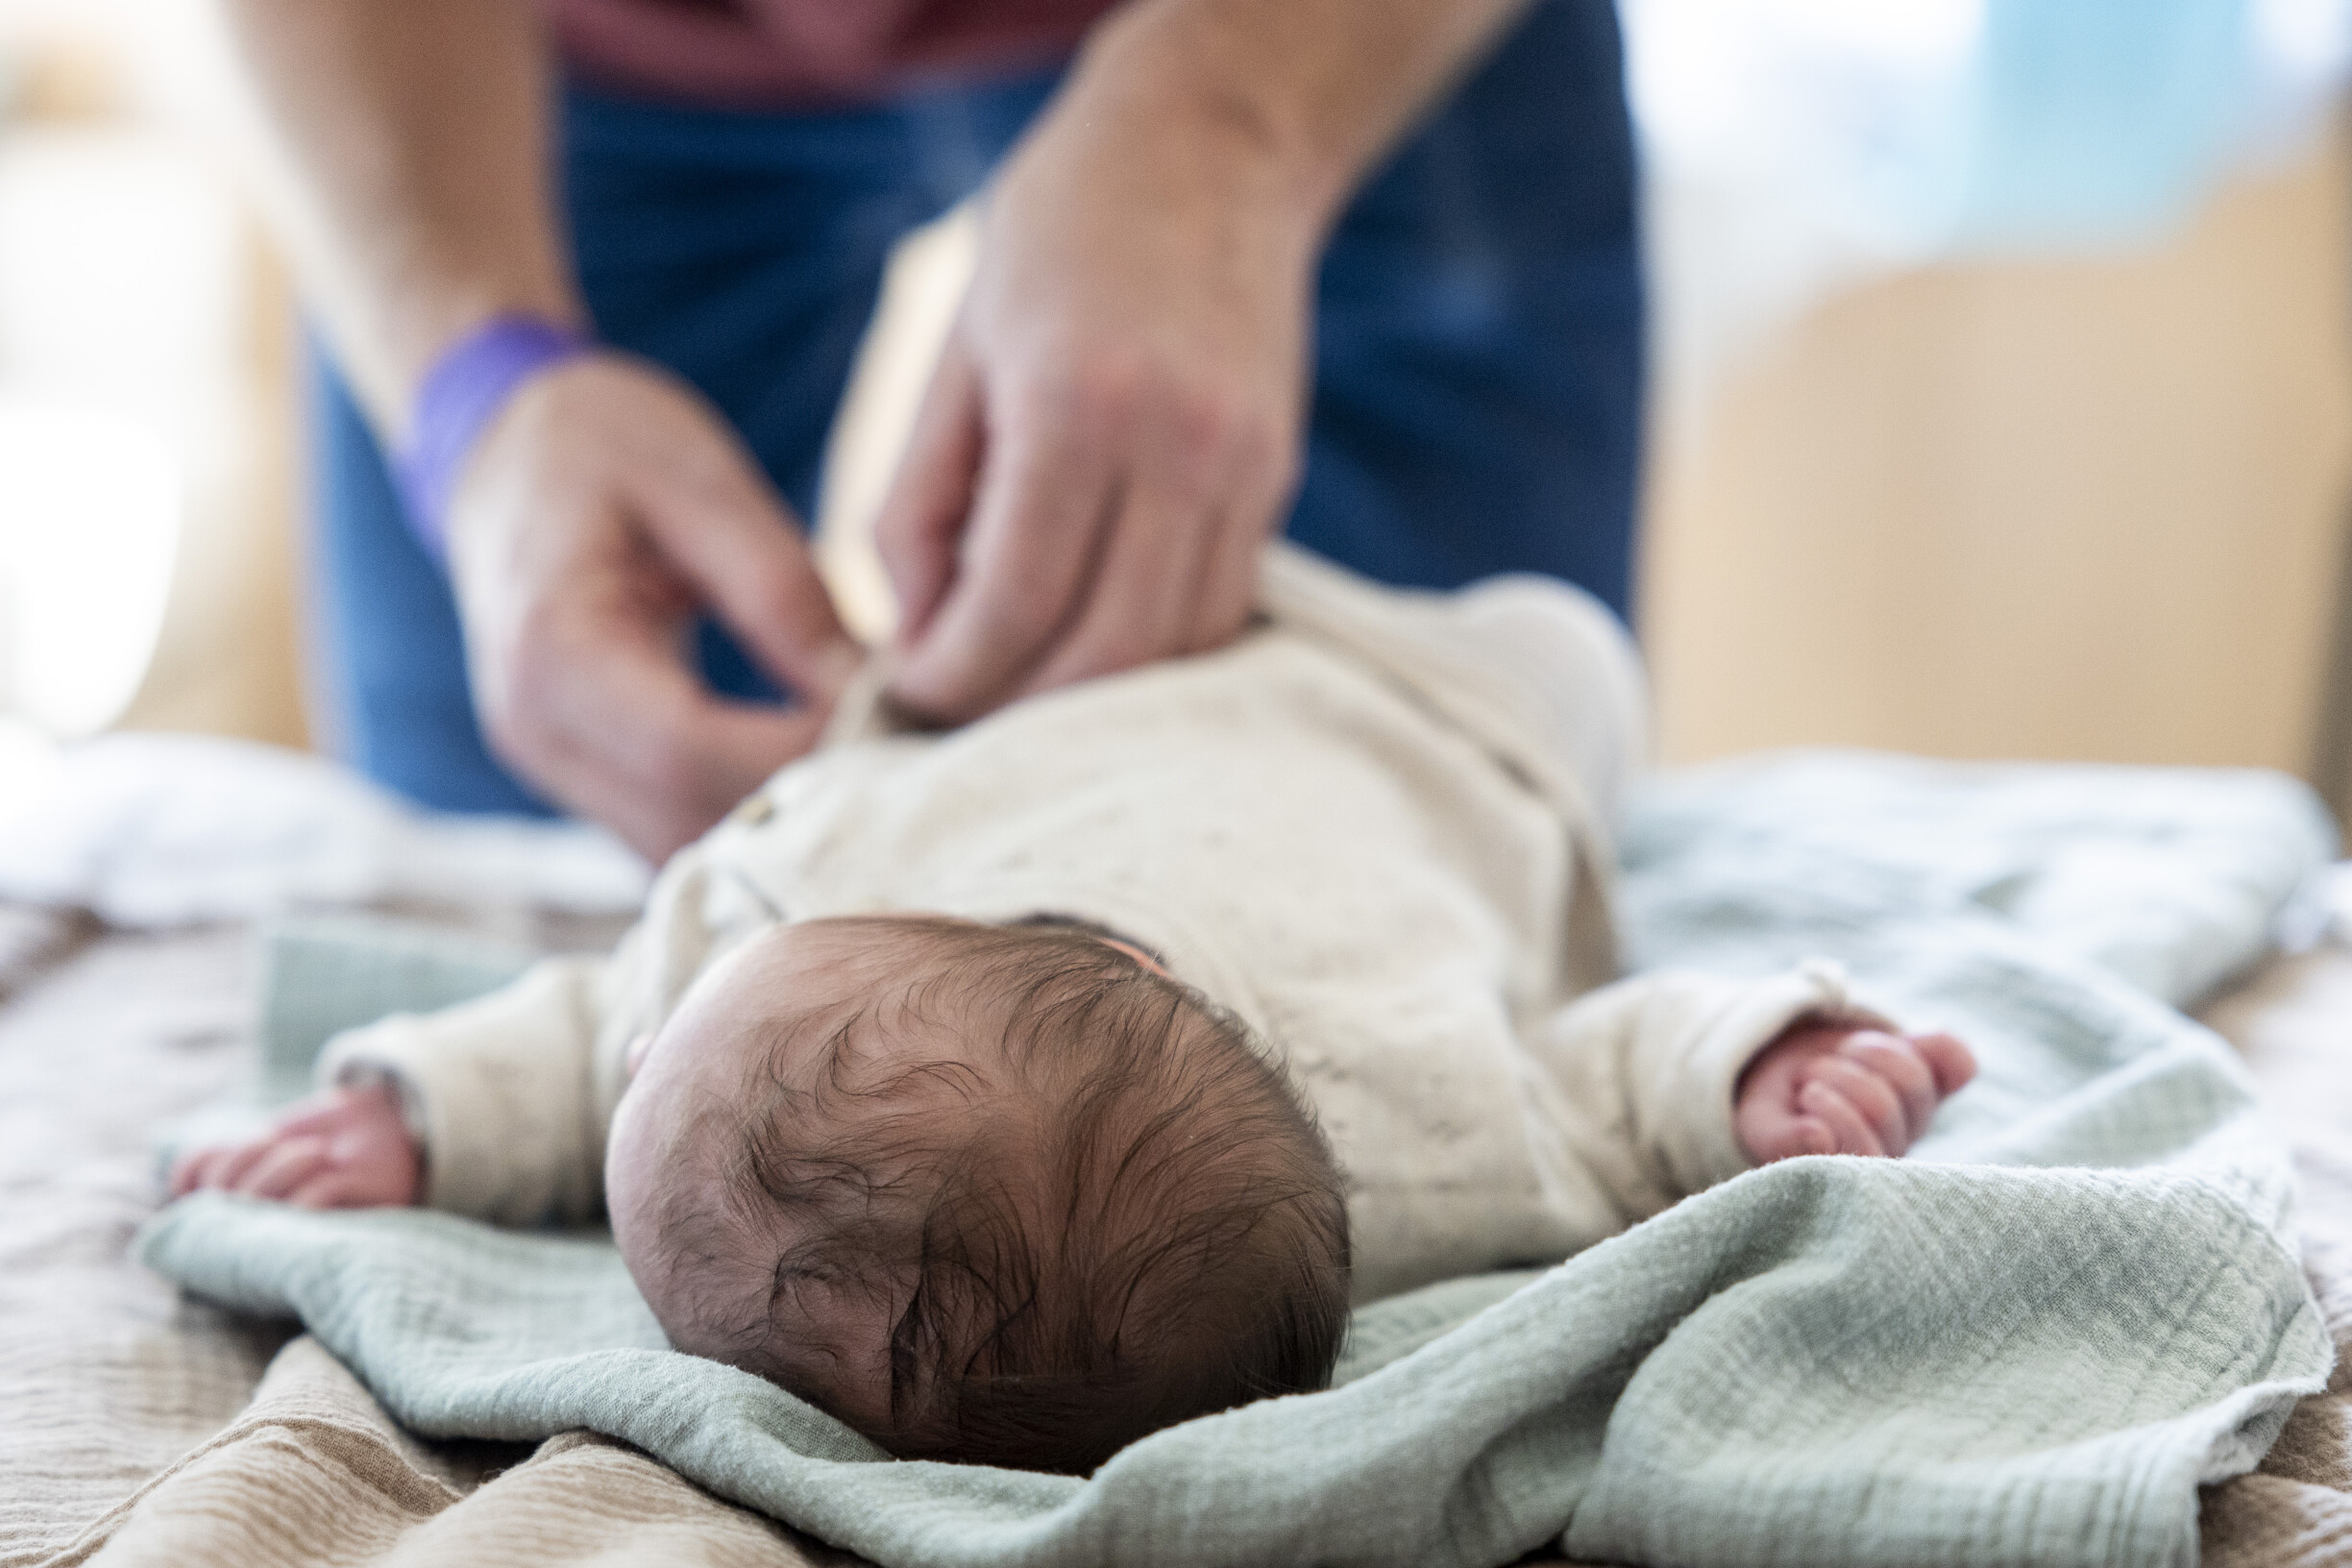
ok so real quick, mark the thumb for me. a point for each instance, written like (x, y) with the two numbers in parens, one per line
(717, 523)
(922, 517)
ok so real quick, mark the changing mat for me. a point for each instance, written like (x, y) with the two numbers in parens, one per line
(2027, 1345)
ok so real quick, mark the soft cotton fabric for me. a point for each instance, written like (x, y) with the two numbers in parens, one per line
(2033, 1357)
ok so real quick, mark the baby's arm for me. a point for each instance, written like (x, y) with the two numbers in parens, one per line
(345, 1148)
(1661, 1086)
(495, 1102)
(1823, 1087)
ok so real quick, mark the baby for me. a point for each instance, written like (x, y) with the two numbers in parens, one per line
(1014, 1092)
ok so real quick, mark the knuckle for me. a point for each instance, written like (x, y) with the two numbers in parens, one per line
(1107, 385)
(1202, 424)
(1067, 398)
(1201, 433)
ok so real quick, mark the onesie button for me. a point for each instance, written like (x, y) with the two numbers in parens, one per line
(753, 812)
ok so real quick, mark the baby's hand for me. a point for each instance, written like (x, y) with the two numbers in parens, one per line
(347, 1148)
(1844, 1088)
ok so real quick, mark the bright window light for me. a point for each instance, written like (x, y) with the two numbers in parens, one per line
(89, 526)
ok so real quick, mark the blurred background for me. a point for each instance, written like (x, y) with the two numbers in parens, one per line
(147, 483)
(2003, 401)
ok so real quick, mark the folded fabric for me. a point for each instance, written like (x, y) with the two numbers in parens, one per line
(2034, 1355)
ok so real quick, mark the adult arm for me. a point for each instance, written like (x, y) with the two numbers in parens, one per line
(607, 503)
(1114, 428)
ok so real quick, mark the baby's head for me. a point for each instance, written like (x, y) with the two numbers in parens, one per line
(999, 1194)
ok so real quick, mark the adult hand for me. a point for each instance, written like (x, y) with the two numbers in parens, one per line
(604, 510)
(1828, 1088)
(1113, 429)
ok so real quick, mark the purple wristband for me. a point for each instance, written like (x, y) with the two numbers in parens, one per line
(462, 392)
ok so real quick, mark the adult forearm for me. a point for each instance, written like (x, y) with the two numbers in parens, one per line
(408, 146)
(1303, 96)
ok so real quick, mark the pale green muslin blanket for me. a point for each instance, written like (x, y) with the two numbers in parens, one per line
(2027, 1345)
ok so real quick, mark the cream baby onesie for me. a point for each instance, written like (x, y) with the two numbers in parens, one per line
(1375, 828)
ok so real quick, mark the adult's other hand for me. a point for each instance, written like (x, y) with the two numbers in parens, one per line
(604, 510)
(1113, 429)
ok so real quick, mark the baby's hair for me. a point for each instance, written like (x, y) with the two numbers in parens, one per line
(1131, 1221)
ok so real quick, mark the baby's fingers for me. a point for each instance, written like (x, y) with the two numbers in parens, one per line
(337, 1187)
(1898, 1064)
(191, 1172)
(1810, 1134)
(1952, 1063)
(322, 1113)
(283, 1165)
(1824, 1102)
(1881, 1108)
(230, 1170)
(1785, 1136)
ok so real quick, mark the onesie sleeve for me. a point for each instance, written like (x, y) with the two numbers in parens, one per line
(1637, 1080)
(501, 1094)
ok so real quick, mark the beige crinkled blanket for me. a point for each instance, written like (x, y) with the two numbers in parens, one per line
(122, 1441)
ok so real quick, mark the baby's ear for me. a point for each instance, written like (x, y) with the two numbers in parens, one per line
(634, 1057)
